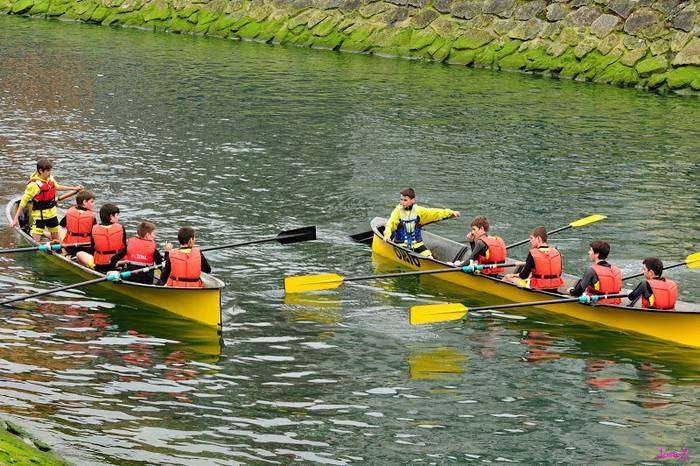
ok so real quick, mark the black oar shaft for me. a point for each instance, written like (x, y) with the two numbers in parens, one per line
(641, 274)
(528, 240)
(53, 290)
(424, 272)
(593, 299)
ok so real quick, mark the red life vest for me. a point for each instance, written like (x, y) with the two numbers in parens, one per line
(108, 239)
(495, 253)
(609, 282)
(140, 252)
(185, 269)
(664, 294)
(46, 198)
(78, 225)
(546, 273)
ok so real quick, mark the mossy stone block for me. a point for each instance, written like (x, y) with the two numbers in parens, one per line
(324, 28)
(187, 11)
(355, 44)
(269, 29)
(508, 48)
(5, 5)
(487, 56)
(205, 16)
(156, 13)
(22, 6)
(133, 18)
(472, 39)
(331, 41)
(682, 76)
(619, 74)
(58, 9)
(514, 61)
(250, 30)
(652, 65)
(281, 36)
(436, 45)
(461, 57)
(181, 25)
(242, 21)
(656, 80)
(114, 18)
(224, 23)
(99, 14)
(421, 39)
(40, 8)
(91, 7)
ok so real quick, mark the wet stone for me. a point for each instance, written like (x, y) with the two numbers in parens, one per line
(584, 16)
(466, 10)
(556, 11)
(667, 7)
(641, 19)
(526, 30)
(685, 20)
(622, 7)
(443, 6)
(690, 55)
(502, 8)
(604, 25)
(529, 10)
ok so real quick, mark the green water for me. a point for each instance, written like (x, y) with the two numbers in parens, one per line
(242, 140)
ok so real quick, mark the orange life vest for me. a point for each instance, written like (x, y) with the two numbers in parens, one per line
(78, 225)
(185, 269)
(664, 294)
(46, 198)
(609, 282)
(495, 253)
(140, 252)
(108, 239)
(546, 273)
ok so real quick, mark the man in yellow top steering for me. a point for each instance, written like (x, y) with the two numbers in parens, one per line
(404, 224)
(41, 191)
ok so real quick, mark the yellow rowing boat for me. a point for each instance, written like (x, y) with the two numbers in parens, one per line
(681, 326)
(202, 305)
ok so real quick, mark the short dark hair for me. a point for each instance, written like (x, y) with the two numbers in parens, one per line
(83, 196)
(106, 211)
(145, 228)
(481, 222)
(185, 234)
(408, 192)
(43, 164)
(654, 264)
(541, 232)
(601, 248)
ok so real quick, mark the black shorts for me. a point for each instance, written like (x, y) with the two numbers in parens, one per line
(42, 223)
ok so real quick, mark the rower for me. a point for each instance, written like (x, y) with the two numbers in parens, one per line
(184, 266)
(656, 292)
(407, 218)
(108, 240)
(601, 277)
(542, 268)
(485, 249)
(41, 191)
(78, 223)
(140, 252)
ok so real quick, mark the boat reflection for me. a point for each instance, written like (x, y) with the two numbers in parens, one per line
(436, 363)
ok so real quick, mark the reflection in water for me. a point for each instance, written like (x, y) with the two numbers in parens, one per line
(441, 363)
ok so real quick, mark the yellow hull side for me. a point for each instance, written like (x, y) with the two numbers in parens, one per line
(682, 328)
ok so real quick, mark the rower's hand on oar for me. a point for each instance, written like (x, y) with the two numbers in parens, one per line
(114, 275)
(456, 214)
(167, 246)
(386, 239)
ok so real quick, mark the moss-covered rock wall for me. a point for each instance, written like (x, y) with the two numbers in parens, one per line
(649, 44)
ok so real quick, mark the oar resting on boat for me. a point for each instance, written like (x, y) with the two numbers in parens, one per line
(429, 313)
(43, 247)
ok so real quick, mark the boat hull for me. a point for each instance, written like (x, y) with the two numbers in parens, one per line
(682, 327)
(202, 305)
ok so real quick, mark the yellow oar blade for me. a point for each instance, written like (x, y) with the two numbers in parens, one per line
(305, 283)
(587, 220)
(437, 313)
(693, 260)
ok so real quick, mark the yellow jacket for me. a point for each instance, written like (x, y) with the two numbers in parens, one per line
(426, 215)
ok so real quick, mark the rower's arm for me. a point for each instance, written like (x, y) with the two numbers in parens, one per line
(429, 215)
(391, 223)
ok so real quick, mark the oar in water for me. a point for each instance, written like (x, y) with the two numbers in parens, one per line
(43, 247)
(284, 237)
(692, 261)
(430, 313)
(575, 224)
(109, 277)
(306, 283)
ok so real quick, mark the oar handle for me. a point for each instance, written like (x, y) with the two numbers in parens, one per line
(467, 269)
(583, 299)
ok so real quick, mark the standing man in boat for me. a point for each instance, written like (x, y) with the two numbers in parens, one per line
(601, 277)
(405, 222)
(108, 240)
(41, 191)
(184, 266)
(485, 249)
(543, 265)
(78, 223)
(656, 292)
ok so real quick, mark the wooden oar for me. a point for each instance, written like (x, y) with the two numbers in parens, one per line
(43, 247)
(430, 313)
(575, 224)
(284, 237)
(109, 277)
(692, 261)
(304, 283)
(68, 195)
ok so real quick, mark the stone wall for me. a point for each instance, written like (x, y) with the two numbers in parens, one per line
(649, 44)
